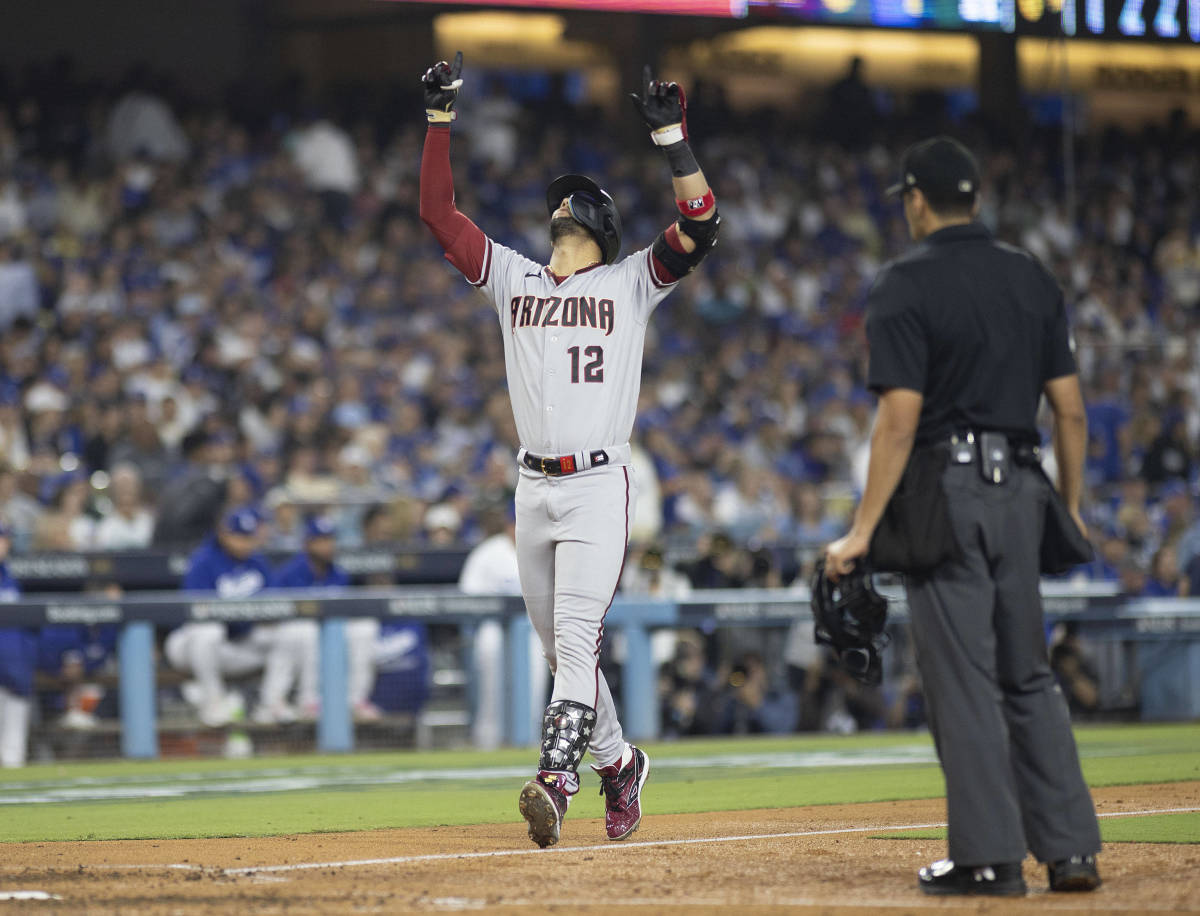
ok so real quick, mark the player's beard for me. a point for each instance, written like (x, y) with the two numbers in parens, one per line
(565, 227)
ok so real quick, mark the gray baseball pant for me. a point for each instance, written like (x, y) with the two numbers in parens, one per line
(998, 717)
(572, 533)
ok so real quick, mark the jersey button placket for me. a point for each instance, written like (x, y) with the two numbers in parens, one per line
(547, 386)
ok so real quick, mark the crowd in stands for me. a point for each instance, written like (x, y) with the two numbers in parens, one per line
(210, 307)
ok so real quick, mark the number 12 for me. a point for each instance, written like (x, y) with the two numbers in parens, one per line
(593, 371)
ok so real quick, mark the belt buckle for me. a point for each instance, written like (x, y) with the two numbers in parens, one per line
(543, 461)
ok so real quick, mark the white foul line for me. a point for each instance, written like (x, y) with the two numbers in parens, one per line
(496, 853)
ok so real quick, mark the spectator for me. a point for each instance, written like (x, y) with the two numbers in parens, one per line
(1133, 578)
(327, 159)
(442, 523)
(20, 511)
(1164, 578)
(286, 531)
(67, 526)
(18, 285)
(720, 564)
(648, 573)
(142, 125)
(191, 500)
(1170, 454)
(684, 687)
(128, 524)
(746, 703)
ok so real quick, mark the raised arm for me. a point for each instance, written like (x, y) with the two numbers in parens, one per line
(684, 244)
(465, 244)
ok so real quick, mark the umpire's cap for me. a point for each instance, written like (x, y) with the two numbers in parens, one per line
(591, 206)
(942, 168)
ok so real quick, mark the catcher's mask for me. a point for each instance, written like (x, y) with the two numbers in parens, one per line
(850, 616)
(592, 207)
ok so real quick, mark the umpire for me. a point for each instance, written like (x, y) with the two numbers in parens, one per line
(965, 335)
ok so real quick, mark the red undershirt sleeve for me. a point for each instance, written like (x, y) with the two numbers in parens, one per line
(466, 247)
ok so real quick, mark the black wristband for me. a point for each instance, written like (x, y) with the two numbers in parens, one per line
(681, 160)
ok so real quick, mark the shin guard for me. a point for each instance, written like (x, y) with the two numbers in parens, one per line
(567, 729)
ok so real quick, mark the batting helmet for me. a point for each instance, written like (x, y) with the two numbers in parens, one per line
(592, 207)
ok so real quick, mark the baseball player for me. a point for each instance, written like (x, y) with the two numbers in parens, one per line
(229, 564)
(316, 567)
(18, 650)
(573, 333)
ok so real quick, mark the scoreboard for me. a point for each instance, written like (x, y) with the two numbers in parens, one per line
(956, 15)
(1175, 21)
(1145, 20)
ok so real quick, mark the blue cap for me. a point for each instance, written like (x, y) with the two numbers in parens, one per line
(241, 521)
(317, 526)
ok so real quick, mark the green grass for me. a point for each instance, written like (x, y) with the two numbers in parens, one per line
(369, 791)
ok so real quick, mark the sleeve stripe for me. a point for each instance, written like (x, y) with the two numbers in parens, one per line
(487, 264)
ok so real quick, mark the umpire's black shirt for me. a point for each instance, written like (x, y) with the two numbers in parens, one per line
(976, 326)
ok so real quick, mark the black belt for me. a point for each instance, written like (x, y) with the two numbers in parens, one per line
(559, 467)
(993, 451)
(964, 447)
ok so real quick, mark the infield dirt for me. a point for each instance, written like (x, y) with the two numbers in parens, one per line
(674, 864)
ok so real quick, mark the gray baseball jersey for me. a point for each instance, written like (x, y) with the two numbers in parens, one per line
(572, 349)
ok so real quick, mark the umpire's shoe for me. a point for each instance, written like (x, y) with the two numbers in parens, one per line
(622, 791)
(944, 877)
(1077, 873)
(543, 804)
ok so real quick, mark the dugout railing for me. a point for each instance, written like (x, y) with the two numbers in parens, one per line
(1164, 632)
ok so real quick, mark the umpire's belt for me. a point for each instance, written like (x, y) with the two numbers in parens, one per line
(561, 465)
(993, 452)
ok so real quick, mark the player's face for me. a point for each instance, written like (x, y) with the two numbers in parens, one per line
(562, 227)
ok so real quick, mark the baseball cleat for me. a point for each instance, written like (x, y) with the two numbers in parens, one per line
(622, 791)
(1077, 873)
(944, 877)
(543, 804)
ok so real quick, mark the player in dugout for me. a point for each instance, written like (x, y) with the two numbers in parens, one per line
(573, 333)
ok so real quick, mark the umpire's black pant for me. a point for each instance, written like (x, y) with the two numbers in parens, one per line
(998, 718)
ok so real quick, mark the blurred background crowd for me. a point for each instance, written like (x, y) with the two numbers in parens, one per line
(206, 307)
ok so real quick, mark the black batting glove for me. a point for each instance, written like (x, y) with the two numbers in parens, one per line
(663, 107)
(441, 83)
